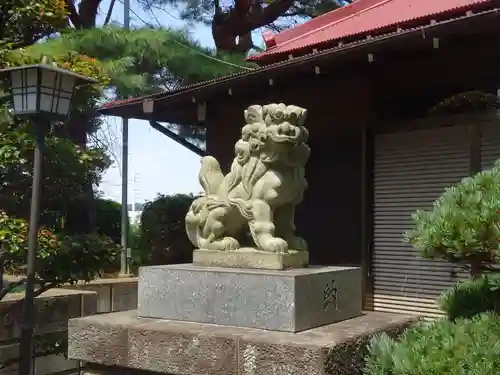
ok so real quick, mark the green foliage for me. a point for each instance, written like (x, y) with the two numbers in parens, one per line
(140, 256)
(68, 251)
(144, 61)
(163, 234)
(67, 169)
(470, 101)
(463, 224)
(23, 22)
(466, 347)
(108, 218)
(471, 297)
(60, 258)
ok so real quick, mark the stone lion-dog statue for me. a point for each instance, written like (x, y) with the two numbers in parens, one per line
(260, 193)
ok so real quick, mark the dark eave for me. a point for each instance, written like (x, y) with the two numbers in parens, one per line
(171, 106)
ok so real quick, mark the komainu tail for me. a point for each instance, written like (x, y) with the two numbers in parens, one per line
(211, 175)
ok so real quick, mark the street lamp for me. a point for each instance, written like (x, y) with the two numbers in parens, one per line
(40, 93)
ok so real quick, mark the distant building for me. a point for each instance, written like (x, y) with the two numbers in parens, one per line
(135, 212)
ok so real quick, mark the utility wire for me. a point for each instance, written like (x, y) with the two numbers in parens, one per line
(187, 47)
(200, 53)
(151, 6)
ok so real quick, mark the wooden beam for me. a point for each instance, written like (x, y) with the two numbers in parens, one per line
(175, 137)
(465, 66)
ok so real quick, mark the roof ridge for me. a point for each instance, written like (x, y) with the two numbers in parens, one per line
(354, 22)
(332, 17)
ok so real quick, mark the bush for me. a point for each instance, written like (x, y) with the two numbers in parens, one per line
(139, 257)
(108, 218)
(463, 224)
(471, 297)
(163, 232)
(470, 101)
(61, 258)
(465, 347)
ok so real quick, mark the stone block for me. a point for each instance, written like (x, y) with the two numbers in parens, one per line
(190, 351)
(124, 343)
(54, 308)
(53, 364)
(103, 293)
(289, 300)
(124, 296)
(251, 258)
(114, 294)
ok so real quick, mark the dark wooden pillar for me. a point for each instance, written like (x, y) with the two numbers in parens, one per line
(223, 131)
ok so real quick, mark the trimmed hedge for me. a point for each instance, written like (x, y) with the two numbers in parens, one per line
(444, 347)
(108, 218)
(163, 238)
(471, 297)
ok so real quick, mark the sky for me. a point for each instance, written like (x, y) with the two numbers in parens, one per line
(157, 164)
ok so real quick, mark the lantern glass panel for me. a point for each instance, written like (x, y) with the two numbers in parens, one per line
(47, 91)
(66, 88)
(55, 92)
(68, 84)
(63, 106)
(24, 90)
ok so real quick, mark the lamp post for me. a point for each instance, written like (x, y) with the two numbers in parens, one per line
(41, 93)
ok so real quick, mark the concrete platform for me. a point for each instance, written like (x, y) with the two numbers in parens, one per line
(122, 340)
(287, 300)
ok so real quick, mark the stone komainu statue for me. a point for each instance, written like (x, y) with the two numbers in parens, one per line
(261, 191)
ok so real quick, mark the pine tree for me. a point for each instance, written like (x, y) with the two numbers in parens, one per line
(232, 22)
(144, 61)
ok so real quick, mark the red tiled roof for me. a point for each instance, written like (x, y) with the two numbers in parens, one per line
(361, 18)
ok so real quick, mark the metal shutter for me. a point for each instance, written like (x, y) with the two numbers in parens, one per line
(490, 146)
(411, 169)
(490, 143)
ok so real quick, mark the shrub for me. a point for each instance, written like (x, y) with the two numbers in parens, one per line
(466, 347)
(470, 101)
(471, 297)
(163, 233)
(463, 224)
(61, 258)
(108, 218)
(139, 256)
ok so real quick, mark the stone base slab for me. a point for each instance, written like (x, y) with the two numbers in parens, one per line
(290, 300)
(251, 258)
(124, 341)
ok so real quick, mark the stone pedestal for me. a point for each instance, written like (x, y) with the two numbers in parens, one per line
(251, 258)
(122, 343)
(290, 300)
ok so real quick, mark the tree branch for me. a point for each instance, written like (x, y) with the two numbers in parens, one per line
(298, 12)
(11, 287)
(74, 17)
(44, 287)
(110, 12)
(88, 12)
(269, 14)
